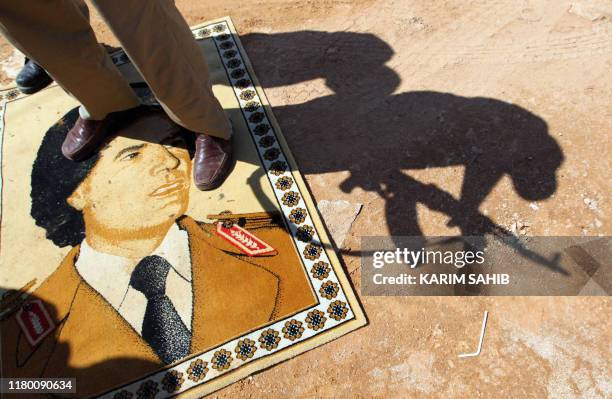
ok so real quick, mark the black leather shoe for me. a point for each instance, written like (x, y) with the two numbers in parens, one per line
(32, 78)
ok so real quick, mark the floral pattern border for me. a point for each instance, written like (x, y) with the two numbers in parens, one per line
(333, 308)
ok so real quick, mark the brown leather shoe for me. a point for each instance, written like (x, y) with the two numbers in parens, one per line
(87, 135)
(212, 161)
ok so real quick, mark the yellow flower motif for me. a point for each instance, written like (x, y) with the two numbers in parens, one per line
(221, 360)
(284, 183)
(329, 289)
(123, 395)
(242, 83)
(172, 381)
(293, 329)
(251, 106)
(237, 73)
(234, 63)
(271, 153)
(255, 117)
(247, 95)
(312, 251)
(291, 198)
(298, 215)
(337, 310)
(278, 168)
(197, 370)
(226, 45)
(269, 339)
(320, 270)
(315, 320)
(267, 141)
(147, 389)
(245, 349)
(304, 233)
(230, 54)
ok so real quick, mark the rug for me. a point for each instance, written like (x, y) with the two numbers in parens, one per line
(249, 277)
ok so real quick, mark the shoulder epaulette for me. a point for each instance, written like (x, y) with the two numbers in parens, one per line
(250, 221)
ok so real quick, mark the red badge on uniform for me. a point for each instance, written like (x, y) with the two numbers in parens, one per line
(243, 240)
(34, 321)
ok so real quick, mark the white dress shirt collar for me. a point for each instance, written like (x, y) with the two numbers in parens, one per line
(110, 275)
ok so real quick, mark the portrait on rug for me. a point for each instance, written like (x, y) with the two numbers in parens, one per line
(144, 280)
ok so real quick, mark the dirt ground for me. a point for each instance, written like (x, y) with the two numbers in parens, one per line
(515, 98)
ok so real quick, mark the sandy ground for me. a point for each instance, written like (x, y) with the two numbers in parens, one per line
(393, 104)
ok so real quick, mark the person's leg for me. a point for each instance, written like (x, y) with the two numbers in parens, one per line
(57, 35)
(161, 46)
(33, 78)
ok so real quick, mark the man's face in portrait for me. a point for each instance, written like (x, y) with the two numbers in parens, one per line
(140, 181)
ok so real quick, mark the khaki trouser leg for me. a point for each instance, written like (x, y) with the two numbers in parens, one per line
(57, 35)
(160, 44)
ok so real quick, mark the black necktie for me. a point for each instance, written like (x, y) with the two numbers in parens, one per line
(162, 327)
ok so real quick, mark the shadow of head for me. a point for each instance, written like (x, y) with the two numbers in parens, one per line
(536, 179)
(348, 62)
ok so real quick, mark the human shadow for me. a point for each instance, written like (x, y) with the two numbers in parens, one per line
(357, 123)
(51, 357)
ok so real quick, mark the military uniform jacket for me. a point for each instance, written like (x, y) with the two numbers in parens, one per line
(232, 295)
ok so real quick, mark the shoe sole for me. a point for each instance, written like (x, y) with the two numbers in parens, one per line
(34, 89)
